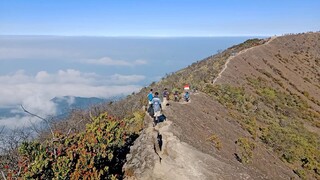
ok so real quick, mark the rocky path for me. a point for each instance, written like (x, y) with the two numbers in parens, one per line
(232, 56)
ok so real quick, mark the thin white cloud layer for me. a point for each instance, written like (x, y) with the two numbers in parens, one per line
(123, 79)
(140, 62)
(27, 53)
(107, 61)
(35, 52)
(34, 92)
(18, 121)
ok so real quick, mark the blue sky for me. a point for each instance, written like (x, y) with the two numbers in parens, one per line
(158, 18)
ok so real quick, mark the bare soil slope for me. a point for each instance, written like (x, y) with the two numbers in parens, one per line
(203, 118)
(291, 63)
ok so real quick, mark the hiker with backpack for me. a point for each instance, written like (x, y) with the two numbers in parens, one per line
(156, 104)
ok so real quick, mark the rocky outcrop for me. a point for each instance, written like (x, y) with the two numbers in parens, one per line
(159, 154)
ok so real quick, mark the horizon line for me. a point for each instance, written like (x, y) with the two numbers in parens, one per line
(139, 36)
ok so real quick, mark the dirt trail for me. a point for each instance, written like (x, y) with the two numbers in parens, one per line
(232, 56)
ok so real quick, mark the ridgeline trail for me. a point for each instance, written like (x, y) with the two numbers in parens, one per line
(232, 56)
(181, 147)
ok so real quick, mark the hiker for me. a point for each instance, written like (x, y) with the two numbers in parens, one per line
(187, 96)
(150, 109)
(156, 103)
(165, 97)
(176, 96)
(150, 97)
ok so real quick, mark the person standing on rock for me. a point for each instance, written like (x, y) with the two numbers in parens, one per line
(156, 103)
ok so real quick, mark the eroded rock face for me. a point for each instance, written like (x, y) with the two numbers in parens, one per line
(158, 154)
(142, 157)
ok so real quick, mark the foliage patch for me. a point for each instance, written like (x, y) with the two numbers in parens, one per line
(97, 153)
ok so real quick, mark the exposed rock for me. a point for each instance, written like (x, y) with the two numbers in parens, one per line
(174, 159)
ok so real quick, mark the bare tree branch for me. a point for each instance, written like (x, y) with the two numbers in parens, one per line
(45, 120)
(34, 127)
(4, 177)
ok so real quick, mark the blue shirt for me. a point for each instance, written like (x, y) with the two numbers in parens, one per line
(150, 96)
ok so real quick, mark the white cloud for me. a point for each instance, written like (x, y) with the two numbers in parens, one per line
(107, 61)
(39, 104)
(18, 121)
(123, 79)
(70, 99)
(34, 92)
(140, 61)
(19, 87)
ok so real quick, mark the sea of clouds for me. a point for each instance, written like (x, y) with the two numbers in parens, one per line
(34, 92)
(35, 69)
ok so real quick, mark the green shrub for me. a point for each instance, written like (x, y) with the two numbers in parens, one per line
(217, 143)
(295, 144)
(97, 153)
(246, 147)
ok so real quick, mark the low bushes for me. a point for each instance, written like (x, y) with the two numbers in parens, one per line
(97, 153)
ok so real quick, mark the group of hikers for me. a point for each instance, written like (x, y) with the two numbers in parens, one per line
(155, 105)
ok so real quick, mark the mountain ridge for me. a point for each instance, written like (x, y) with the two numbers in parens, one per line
(259, 89)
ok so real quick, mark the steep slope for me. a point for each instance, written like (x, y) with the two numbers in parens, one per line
(259, 120)
(280, 81)
(291, 63)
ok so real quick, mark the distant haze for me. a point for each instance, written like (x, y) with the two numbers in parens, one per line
(35, 69)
